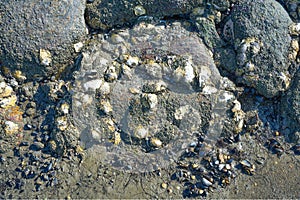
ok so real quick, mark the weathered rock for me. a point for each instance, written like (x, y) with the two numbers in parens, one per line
(262, 46)
(105, 14)
(155, 83)
(293, 8)
(11, 127)
(7, 96)
(38, 37)
(291, 105)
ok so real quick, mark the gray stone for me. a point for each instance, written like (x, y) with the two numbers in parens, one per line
(37, 38)
(105, 14)
(259, 32)
(290, 107)
(293, 8)
(155, 81)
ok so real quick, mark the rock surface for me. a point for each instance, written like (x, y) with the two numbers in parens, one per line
(291, 104)
(38, 37)
(262, 46)
(156, 83)
(105, 14)
(141, 87)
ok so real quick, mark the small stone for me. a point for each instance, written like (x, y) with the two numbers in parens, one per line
(221, 158)
(134, 90)
(295, 29)
(156, 142)
(104, 88)
(294, 49)
(195, 165)
(78, 46)
(30, 111)
(221, 166)
(164, 185)
(28, 127)
(141, 132)
(106, 107)
(237, 106)
(126, 71)
(62, 123)
(45, 57)
(206, 182)
(116, 38)
(65, 108)
(169, 190)
(228, 166)
(139, 10)
(149, 101)
(92, 84)
(117, 138)
(5, 90)
(8, 102)
(11, 127)
(132, 61)
(19, 76)
(52, 145)
(111, 74)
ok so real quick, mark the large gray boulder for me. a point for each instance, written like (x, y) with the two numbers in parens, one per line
(259, 32)
(105, 14)
(38, 37)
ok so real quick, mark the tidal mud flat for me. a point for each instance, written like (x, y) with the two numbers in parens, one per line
(136, 99)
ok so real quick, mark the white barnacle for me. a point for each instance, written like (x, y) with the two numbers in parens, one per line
(286, 79)
(189, 72)
(45, 57)
(139, 10)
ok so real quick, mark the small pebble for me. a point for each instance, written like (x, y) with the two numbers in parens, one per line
(30, 111)
(28, 127)
(164, 185)
(169, 190)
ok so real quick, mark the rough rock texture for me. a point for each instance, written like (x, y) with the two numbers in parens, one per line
(38, 37)
(291, 104)
(293, 7)
(262, 46)
(105, 14)
(148, 85)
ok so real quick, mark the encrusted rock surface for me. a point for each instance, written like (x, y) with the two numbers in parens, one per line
(105, 14)
(155, 82)
(38, 37)
(262, 46)
(150, 99)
